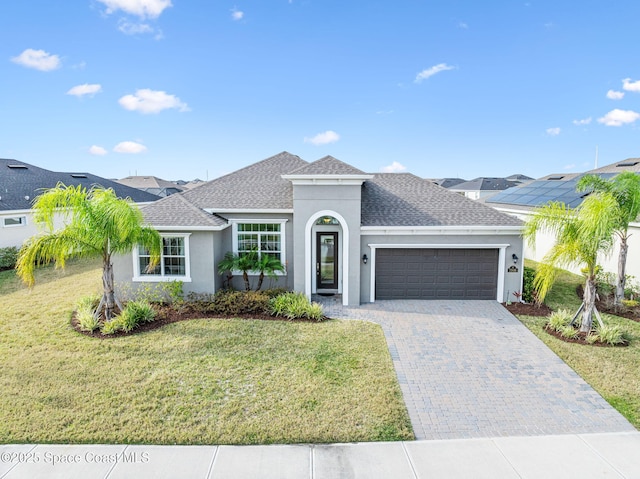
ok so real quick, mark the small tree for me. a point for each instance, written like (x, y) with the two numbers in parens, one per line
(268, 265)
(580, 236)
(625, 188)
(264, 264)
(97, 224)
(234, 262)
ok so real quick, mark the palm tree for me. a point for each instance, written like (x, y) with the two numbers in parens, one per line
(234, 262)
(97, 224)
(625, 188)
(580, 236)
(269, 265)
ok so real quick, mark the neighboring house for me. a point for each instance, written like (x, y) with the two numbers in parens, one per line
(520, 201)
(337, 230)
(448, 182)
(483, 187)
(21, 183)
(152, 184)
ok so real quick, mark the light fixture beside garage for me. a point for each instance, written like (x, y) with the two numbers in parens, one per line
(364, 258)
(515, 258)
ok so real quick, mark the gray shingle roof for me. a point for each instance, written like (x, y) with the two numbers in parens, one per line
(403, 199)
(175, 210)
(485, 184)
(21, 183)
(327, 166)
(630, 164)
(257, 186)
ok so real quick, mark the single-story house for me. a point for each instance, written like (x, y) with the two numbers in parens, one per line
(21, 183)
(337, 230)
(483, 186)
(522, 200)
(152, 184)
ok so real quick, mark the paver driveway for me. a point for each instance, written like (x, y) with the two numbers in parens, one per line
(471, 369)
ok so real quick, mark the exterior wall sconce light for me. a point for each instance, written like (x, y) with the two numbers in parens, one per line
(364, 258)
(515, 258)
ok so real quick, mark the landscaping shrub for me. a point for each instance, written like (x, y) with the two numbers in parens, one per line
(528, 291)
(113, 326)
(86, 314)
(558, 320)
(610, 334)
(229, 302)
(8, 257)
(295, 306)
(142, 311)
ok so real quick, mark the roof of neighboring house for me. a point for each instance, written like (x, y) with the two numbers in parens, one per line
(144, 182)
(21, 183)
(403, 199)
(557, 187)
(388, 199)
(630, 164)
(518, 177)
(448, 182)
(485, 184)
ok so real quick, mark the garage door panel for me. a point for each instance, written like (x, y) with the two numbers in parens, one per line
(436, 273)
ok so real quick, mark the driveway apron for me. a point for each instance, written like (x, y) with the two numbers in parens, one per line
(470, 369)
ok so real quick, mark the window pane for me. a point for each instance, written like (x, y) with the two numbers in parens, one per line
(174, 267)
(15, 221)
(144, 267)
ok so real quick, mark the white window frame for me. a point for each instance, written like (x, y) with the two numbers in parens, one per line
(153, 278)
(22, 221)
(271, 221)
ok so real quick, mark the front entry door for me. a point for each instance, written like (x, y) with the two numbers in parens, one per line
(327, 260)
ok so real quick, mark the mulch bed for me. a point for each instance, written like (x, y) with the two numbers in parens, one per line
(167, 315)
(605, 305)
(582, 339)
(528, 309)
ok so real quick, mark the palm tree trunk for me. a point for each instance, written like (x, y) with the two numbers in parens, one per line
(108, 288)
(589, 300)
(260, 280)
(622, 266)
(245, 277)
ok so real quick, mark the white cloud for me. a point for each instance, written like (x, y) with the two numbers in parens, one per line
(394, 167)
(86, 89)
(139, 8)
(619, 117)
(628, 85)
(553, 131)
(151, 101)
(129, 147)
(97, 150)
(570, 166)
(38, 59)
(324, 138)
(584, 121)
(463, 25)
(615, 95)
(429, 72)
(129, 28)
(237, 14)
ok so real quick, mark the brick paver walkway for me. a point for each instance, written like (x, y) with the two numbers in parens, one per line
(471, 369)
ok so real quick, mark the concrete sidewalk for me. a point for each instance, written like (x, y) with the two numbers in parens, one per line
(615, 455)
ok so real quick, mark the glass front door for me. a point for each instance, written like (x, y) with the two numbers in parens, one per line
(327, 260)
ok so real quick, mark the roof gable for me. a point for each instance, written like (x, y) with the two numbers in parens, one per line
(327, 165)
(255, 187)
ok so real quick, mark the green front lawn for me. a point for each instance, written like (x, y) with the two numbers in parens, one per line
(613, 372)
(194, 382)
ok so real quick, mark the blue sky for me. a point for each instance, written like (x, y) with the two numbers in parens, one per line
(192, 88)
